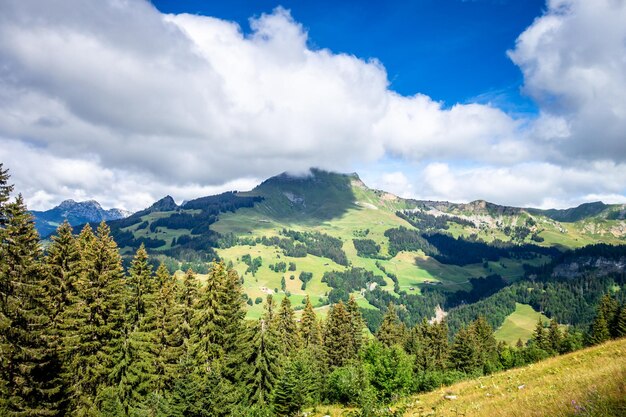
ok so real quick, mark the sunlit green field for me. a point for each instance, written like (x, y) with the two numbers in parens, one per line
(520, 324)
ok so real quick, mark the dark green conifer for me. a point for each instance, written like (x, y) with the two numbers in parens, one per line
(310, 332)
(188, 299)
(619, 328)
(169, 343)
(94, 321)
(30, 383)
(391, 330)
(540, 338)
(554, 337)
(338, 344)
(261, 369)
(464, 354)
(599, 329)
(136, 371)
(358, 325)
(487, 345)
(286, 328)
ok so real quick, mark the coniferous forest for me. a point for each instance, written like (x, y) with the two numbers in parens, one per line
(82, 336)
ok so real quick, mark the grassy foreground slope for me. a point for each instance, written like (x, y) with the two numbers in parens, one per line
(590, 382)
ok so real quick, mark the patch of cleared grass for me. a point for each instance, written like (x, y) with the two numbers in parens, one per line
(520, 324)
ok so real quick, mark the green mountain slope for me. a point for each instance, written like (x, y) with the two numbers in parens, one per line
(332, 224)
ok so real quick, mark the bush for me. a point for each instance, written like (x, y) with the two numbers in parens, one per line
(346, 383)
(390, 370)
(258, 300)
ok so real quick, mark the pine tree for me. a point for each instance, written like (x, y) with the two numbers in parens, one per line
(599, 329)
(619, 328)
(429, 344)
(540, 338)
(62, 266)
(487, 345)
(338, 344)
(391, 330)
(188, 299)
(286, 328)
(290, 393)
(464, 353)
(169, 343)
(217, 336)
(135, 371)
(554, 337)
(94, 321)
(609, 307)
(310, 332)
(29, 368)
(358, 325)
(261, 369)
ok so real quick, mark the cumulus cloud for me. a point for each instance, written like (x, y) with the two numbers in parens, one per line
(116, 101)
(574, 64)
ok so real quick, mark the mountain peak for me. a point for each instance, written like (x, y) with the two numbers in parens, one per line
(167, 203)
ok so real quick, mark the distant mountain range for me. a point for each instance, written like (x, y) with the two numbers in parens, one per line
(75, 213)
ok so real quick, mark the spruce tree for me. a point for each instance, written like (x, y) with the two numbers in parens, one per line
(188, 294)
(169, 343)
(464, 354)
(540, 338)
(338, 344)
(391, 330)
(94, 321)
(135, 371)
(261, 368)
(358, 325)
(29, 367)
(487, 345)
(310, 332)
(429, 344)
(217, 336)
(599, 329)
(554, 337)
(619, 328)
(286, 328)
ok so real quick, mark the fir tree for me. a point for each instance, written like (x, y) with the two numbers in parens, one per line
(135, 371)
(338, 344)
(391, 331)
(188, 300)
(554, 337)
(260, 372)
(357, 323)
(29, 368)
(94, 321)
(168, 319)
(429, 344)
(540, 338)
(310, 331)
(619, 328)
(465, 355)
(216, 338)
(286, 328)
(599, 329)
(486, 343)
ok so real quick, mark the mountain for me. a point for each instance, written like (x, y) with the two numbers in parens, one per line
(75, 213)
(328, 236)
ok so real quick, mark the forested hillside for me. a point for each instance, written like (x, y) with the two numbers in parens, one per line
(82, 335)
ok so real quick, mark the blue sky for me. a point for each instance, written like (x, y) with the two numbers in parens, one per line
(451, 50)
(519, 102)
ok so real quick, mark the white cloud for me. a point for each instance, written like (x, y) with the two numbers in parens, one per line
(115, 101)
(574, 64)
(532, 184)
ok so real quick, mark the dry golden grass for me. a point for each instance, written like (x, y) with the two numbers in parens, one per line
(587, 383)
